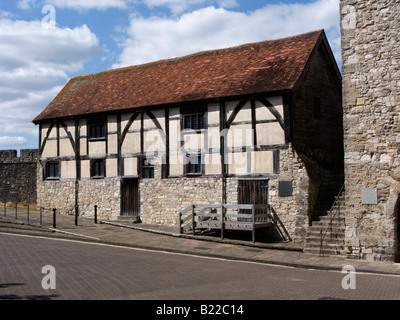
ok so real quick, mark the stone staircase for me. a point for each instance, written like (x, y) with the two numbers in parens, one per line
(326, 235)
(332, 235)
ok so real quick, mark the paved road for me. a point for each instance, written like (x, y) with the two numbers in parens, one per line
(92, 271)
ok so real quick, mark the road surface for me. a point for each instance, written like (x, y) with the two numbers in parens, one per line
(85, 271)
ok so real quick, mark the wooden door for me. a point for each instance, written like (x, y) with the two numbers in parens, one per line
(130, 198)
(253, 192)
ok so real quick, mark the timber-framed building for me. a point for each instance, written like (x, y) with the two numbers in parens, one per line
(259, 123)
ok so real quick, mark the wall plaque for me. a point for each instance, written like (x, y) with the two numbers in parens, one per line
(369, 196)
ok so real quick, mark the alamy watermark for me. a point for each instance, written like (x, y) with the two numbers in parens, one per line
(49, 21)
(349, 280)
(49, 280)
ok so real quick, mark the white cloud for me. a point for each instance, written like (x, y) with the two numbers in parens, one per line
(6, 142)
(77, 4)
(34, 62)
(211, 28)
(179, 6)
(91, 4)
(176, 6)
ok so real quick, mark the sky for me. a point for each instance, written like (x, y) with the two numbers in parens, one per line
(44, 43)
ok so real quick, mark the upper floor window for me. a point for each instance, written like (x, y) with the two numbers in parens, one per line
(194, 117)
(97, 127)
(52, 170)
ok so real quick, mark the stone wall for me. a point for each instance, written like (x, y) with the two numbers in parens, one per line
(61, 195)
(18, 176)
(162, 199)
(371, 100)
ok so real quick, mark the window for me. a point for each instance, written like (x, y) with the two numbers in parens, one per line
(97, 168)
(193, 165)
(147, 170)
(194, 117)
(97, 128)
(52, 170)
(193, 121)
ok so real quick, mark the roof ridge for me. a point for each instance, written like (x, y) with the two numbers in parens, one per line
(191, 55)
(252, 68)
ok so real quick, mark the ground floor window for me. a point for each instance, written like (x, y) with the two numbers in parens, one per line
(52, 170)
(147, 170)
(194, 164)
(97, 168)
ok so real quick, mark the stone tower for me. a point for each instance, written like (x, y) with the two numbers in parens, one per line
(371, 104)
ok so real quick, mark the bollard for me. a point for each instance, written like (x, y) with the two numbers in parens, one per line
(54, 218)
(16, 208)
(40, 215)
(76, 215)
(95, 214)
(5, 210)
(27, 214)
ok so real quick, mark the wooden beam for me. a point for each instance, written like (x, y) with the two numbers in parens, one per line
(253, 120)
(273, 110)
(128, 125)
(236, 111)
(166, 165)
(154, 118)
(45, 139)
(119, 145)
(71, 140)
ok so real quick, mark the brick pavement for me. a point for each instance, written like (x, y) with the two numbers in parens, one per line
(168, 239)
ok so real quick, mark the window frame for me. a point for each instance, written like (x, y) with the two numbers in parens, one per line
(194, 117)
(199, 167)
(102, 169)
(147, 166)
(48, 170)
(97, 128)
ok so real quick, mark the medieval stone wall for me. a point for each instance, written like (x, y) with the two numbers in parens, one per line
(371, 101)
(18, 176)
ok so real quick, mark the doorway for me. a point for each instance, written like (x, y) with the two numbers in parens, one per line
(130, 198)
(253, 192)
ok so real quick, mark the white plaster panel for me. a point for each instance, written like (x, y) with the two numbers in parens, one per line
(262, 162)
(68, 169)
(131, 167)
(111, 167)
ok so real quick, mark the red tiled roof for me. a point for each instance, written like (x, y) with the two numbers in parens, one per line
(247, 69)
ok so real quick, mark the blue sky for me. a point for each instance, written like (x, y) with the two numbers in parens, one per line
(41, 47)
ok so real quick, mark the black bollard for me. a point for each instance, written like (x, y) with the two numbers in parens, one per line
(54, 218)
(95, 214)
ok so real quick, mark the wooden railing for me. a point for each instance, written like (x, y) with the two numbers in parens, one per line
(224, 216)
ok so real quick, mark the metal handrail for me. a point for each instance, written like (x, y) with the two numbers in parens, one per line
(332, 216)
